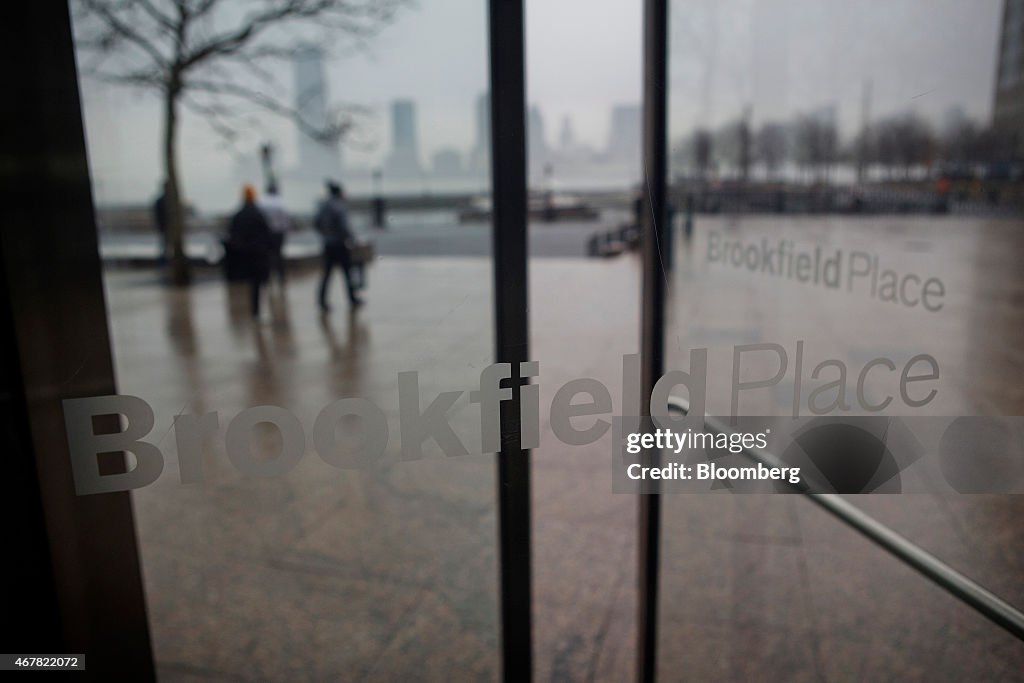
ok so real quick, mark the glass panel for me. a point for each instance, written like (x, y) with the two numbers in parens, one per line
(270, 550)
(847, 179)
(584, 160)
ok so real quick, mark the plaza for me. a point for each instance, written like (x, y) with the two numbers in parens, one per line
(391, 572)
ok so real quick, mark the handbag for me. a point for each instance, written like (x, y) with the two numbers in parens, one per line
(362, 252)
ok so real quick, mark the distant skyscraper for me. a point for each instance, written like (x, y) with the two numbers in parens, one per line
(403, 161)
(1008, 110)
(317, 160)
(480, 155)
(566, 138)
(447, 162)
(537, 148)
(624, 134)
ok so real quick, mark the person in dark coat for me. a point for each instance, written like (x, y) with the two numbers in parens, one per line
(250, 235)
(332, 223)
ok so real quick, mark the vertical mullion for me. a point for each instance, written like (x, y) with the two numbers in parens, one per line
(652, 334)
(509, 239)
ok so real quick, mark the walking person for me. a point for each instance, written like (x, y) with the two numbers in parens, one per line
(250, 235)
(280, 223)
(332, 223)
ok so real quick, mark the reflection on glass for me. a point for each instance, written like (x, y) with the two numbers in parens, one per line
(848, 186)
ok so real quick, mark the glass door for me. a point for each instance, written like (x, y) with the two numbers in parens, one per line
(846, 186)
(326, 505)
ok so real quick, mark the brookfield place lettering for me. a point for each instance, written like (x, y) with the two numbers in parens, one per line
(579, 414)
(854, 271)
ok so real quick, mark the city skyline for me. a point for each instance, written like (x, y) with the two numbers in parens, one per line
(402, 155)
(784, 58)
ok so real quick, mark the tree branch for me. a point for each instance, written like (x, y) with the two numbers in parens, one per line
(142, 77)
(215, 116)
(359, 18)
(161, 19)
(253, 25)
(117, 27)
(331, 132)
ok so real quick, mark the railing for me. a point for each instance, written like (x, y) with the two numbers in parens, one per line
(990, 605)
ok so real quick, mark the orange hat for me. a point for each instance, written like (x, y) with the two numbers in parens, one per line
(249, 193)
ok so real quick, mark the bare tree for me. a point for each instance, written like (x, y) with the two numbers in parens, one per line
(959, 140)
(744, 144)
(904, 141)
(770, 147)
(915, 143)
(211, 56)
(702, 144)
(733, 146)
(964, 144)
(817, 144)
(881, 146)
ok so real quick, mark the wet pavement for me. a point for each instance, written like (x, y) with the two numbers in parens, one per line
(390, 573)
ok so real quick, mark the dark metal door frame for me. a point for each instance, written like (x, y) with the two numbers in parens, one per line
(652, 333)
(509, 239)
(75, 585)
(511, 326)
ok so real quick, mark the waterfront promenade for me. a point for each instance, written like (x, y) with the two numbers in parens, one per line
(391, 573)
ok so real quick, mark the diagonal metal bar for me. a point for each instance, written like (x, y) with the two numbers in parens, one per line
(968, 591)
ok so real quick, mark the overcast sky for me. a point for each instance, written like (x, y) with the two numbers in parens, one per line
(780, 57)
(786, 57)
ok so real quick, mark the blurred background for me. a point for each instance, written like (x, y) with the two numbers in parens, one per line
(895, 128)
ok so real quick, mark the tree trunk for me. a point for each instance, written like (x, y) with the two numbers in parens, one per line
(179, 271)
